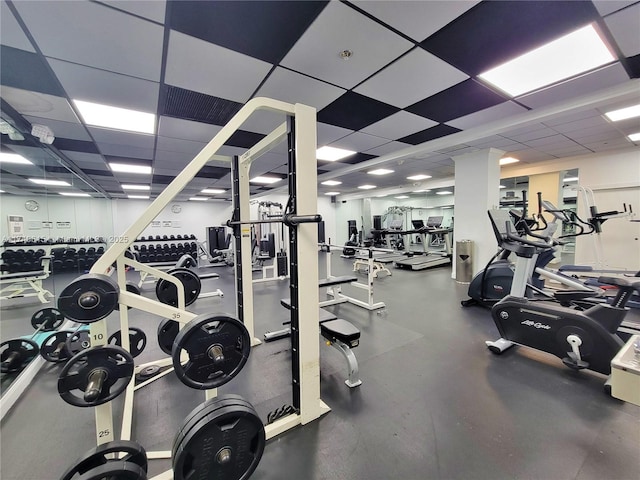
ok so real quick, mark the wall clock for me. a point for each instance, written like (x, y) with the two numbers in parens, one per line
(176, 208)
(31, 205)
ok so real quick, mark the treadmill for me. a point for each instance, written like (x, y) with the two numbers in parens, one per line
(431, 258)
(395, 228)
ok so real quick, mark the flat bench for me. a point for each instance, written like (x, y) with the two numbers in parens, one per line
(331, 281)
(339, 333)
(14, 285)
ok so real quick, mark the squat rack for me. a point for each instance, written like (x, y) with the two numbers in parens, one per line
(300, 132)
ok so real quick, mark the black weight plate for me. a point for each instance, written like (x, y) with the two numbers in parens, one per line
(204, 409)
(137, 340)
(199, 338)
(167, 292)
(79, 341)
(89, 298)
(167, 333)
(47, 319)
(16, 354)
(115, 470)
(148, 372)
(74, 377)
(236, 430)
(101, 455)
(54, 349)
(131, 288)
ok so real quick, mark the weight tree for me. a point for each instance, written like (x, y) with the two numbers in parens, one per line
(300, 132)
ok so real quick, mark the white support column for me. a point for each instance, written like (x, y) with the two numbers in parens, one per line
(477, 189)
(307, 203)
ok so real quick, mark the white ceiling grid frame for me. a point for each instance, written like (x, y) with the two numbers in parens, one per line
(118, 150)
(359, 142)
(415, 76)
(186, 129)
(589, 122)
(221, 72)
(490, 114)
(339, 27)
(107, 135)
(387, 148)
(153, 10)
(536, 134)
(106, 88)
(293, 87)
(416, 19)
(40, 105)
(624, 27)
(12, 34)
(399, 125)
(73, 131)
(111, 40)
(601, 79)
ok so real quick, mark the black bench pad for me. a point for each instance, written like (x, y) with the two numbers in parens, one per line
(328, 282)
(323, 315)
(341, 330)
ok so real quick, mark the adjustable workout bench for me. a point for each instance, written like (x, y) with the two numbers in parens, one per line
(19, 282)
(340, 334)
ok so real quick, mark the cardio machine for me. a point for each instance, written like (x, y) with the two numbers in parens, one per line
(582, 339)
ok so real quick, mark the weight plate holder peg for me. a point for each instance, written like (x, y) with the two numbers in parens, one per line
(126, 452)
(89, 298)
(77, 342)
(53, 349)
(137, 340)
(218, 346)
(99, 373)
(16, 354)
(47, 319)
(226, 440)
(167, 333)
(131, 288)
(167, 292)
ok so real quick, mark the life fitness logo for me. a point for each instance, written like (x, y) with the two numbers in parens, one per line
(531, 323)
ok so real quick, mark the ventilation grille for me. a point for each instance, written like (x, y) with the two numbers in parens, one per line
(189, 105)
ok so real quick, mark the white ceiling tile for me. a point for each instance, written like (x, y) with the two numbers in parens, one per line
(92, 34)
(415, 76)
(597, 132)
(153, 10)
(11, 33)
(94, 85)
(487, 115)
(589, 122)
(74, 131)
(337, 28)
(359, 142)
(293, 87)
(39, 104)
(178, 145)
(554, 141)
(172, 160)
(106, 135)
(390, 147)
(220, 72)
(566, 151)
(523, 130)
(605, 77)
(119, 150)
(529, 155)
(186, 129)
(533, 134)
(417, 19)
(605, 145)
(399, 125)
(263, 121)
(560, 118)
(329, 133)
(92, 165)
(84, 157)
(624, 27)
(605, 7)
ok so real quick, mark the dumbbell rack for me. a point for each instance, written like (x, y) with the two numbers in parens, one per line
(305, 369)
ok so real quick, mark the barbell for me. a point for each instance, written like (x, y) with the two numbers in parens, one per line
(289, 219)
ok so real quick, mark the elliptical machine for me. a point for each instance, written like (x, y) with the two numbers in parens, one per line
(581, 339)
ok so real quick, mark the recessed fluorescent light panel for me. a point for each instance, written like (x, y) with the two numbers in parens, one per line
(212, 191)
(382, 196)
(401, 197)
(573, 54)
(14, 158)
(502, 186)
(635, 137)
(74, 194)
(331, 183)
(332, 193)
(136, 187)
(380, 171)
(570, 179)
(138, 197)
(444, 192)
(198, 199)
(265, 180)
(52, 183)
(332, 154)
(366, 187)
(127, 168)
(116, 118)
(422, 191)
(418, 177)
(623, 113)
(1, 191)
(508, 160)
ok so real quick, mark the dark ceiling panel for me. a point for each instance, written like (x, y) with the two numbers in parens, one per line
(162, 179)
(212, 172)
(75, 145)
(244, 139)
(27, 71)
(454, 102)
(492, 33)
(357, 158)
(429, 134)
(355, 111)
(190, 105)
(264, 30)
(633, 66)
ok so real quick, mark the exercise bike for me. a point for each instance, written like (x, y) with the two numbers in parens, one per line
(582, 339)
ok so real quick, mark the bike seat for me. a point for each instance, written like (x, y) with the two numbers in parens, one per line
(621, 282)
(568, 296)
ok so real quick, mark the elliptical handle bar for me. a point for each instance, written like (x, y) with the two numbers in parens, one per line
(510, 235)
